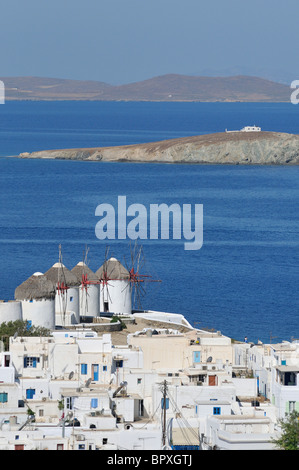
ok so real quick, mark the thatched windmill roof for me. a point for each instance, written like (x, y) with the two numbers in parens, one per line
(113, 269)
(59, 273)
(37, 287)
(82, 268)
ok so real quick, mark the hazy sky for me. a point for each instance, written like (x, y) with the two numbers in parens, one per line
(122, 41)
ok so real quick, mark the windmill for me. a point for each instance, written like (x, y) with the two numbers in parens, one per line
(104, 278)
(88, 295)
(138, 280)
(61, 287)
(114, 279)
(66, 290)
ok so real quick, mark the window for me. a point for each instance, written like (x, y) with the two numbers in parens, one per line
(30, 361)
(105, 440)
(292, 406)
(3, 397)
(6, 361)
(30, 392)
(118, 364)
(83, 369)
(139, 381)
(141, 408)
(94, 403)
(69, 403)
(104, 368)
(216, 410)
(71, 299)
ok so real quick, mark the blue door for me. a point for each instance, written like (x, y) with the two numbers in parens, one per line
(95, 372)
(196, 357)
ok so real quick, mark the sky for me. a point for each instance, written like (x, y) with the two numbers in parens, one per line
(124, 41)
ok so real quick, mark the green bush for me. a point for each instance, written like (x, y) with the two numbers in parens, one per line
(20, 328)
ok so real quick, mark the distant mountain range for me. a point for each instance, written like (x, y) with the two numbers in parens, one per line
(171, 87)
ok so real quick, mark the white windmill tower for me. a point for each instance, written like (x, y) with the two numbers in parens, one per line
(37, 296)
(122, 289)
(67, 294)
(115, 288)
(10, 311)
(88, 291)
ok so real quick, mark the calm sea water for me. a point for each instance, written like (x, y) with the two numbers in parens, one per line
(244, 279)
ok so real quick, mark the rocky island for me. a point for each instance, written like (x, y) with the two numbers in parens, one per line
(257, 148)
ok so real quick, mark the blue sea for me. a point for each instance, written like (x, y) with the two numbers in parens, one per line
(244, 279)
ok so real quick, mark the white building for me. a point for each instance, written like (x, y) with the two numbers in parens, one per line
(88, 392)
(233, 432)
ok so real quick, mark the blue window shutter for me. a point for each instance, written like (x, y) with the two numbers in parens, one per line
(34, 362)
(83, 369)
(25, 362)
(30, 392)
(3, 397)
(94, 403)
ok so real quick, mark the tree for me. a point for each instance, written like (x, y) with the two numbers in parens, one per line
(21, 328)
(289, 439)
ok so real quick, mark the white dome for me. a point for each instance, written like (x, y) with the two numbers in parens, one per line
(58, 265)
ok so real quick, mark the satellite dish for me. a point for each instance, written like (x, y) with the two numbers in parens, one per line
(87, 383)
(209, 359)
(71, 375)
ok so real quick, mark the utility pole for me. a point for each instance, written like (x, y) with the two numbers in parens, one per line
(164, 413)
